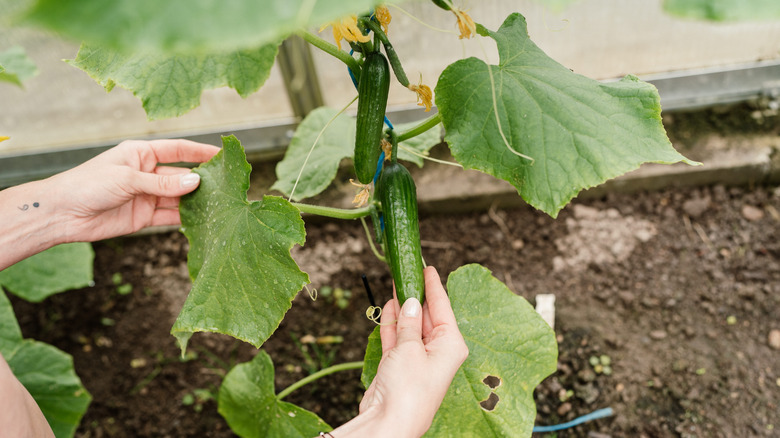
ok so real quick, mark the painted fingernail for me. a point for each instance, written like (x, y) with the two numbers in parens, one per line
(189, 180)
(412, 307)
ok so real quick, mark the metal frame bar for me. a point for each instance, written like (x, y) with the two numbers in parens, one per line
(681, 90)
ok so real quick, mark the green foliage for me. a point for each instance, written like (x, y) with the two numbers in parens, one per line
(244, 279)
(507, 339)
(46, 372)
(578, 131)
(316, 164)
(61, 268)
(171, 85)
(15, 66)
(336, 142)
(187, 25)
(248, 402)
(724, 10)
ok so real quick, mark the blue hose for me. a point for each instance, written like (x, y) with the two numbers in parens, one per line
(601, 413)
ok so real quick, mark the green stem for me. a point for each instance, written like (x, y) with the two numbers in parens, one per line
(319, 374)
(331, 49)
(332, 212)
(392, 56)
(425, 125)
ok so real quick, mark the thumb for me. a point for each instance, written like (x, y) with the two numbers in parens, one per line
(410, 322)
(171, 185)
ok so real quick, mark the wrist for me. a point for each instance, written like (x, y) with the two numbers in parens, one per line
(30, 221)
(377, 422)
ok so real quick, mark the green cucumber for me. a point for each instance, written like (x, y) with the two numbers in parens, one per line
(441, 4)
(398, 196)
(373, 87)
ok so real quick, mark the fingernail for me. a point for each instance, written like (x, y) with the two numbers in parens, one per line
(412, 307)
(188, 180)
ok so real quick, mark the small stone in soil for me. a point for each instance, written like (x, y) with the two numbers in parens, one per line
(658, 334)
(774, 339)
(752, 213)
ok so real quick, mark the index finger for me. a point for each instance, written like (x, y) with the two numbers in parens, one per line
(180, 150)
(436, 298)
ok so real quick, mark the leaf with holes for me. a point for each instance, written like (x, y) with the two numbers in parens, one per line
(511, 349)
(578, 131)
(244, 279)
(310, 167)
(187, 25)
(248, 402)
(171, 85)
(724, 10)
(58, 269)
(46, 372)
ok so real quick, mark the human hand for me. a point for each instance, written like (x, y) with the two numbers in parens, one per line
(124, 190)
(421, 353)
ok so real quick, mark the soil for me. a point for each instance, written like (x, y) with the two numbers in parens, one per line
(677, 292)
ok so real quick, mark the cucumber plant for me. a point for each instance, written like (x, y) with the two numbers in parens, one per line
(527, 120)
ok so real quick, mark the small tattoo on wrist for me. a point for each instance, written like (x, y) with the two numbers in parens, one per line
(26, 207)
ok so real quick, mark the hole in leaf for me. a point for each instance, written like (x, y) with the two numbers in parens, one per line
(490, 403)
(492, 381)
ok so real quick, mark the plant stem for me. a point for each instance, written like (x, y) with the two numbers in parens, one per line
(392, 56)
(319, 374)
(425, 125)
(331, 49)
(332, 212)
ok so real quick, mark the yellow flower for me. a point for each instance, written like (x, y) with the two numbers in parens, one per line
(382, 15)
(2, 138)
(424, 95)
(387, 147)
(347, 29)
(361, 199)
(465, 23)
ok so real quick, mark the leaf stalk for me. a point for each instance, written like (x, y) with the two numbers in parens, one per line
(318, 375)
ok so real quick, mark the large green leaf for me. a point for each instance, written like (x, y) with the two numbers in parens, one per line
(55, 270)
(187, 25)
(171, 85)
(10, 333)
(724, 10)
(46, 372)
(244, 279)
(507, 340)
(248, 402)
(335, 142)
(318, 163)
(16, 66)
(579, 132)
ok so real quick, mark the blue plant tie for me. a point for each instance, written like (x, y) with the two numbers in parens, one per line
(595, 415)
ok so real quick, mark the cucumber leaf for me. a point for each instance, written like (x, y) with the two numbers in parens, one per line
(187, 25)
(58, 269)
(171, 85)
(579, 132)
(248, 403)
(507, 340)
(244, 279)
(15, 66)
(46, 372)
(724, 10)
(317, 164)
(320, 162)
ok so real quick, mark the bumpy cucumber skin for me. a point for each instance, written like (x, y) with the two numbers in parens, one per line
(398, 196)
(373, 88)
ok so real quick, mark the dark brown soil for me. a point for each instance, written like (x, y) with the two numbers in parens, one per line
(678, 289)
